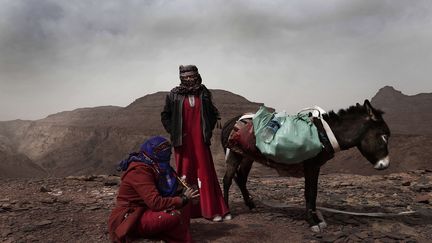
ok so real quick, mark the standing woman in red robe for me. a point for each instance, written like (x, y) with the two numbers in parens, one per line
(190, 116)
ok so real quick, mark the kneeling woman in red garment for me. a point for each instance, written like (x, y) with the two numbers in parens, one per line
(148, 202)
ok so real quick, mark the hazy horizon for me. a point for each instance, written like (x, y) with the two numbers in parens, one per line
(62, 55)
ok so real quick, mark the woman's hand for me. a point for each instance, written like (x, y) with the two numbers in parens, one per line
(191, 193)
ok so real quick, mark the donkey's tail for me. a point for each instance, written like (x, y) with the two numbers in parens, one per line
(226, 130)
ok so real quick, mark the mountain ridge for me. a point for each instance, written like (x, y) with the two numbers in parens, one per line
(401, 111)
(93, 140)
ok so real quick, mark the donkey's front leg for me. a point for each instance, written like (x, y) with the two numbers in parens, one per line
(241, 180)
(232, 163)
(311, 173)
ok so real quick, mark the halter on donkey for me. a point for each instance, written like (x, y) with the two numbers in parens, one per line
(359, 126)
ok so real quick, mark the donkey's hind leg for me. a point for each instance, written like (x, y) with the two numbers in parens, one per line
(241, 180)
(232, 163)
(313, 217)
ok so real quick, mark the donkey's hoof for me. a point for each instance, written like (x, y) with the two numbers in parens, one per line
(322, 225)
(315, 229)
(251, 205)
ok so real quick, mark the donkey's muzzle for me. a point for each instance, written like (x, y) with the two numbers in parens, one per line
(383, 163)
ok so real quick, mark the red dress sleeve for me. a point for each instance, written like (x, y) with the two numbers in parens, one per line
(142, 179)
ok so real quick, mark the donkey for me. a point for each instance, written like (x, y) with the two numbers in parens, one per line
(360, 126)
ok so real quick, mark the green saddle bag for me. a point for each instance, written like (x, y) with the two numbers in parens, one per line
(295, 141)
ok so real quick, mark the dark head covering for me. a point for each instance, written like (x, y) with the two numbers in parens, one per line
(158, 149)
(156, 152)
(188, 70)
(191, 85)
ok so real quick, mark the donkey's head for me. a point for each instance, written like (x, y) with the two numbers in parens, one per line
(373, 143)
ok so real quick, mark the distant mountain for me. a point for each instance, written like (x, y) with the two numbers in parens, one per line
(15, 164)
(93, 140)
(405, 114)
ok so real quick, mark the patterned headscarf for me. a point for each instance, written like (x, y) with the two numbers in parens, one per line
(156, 152)
(190, 81)
(158, 149)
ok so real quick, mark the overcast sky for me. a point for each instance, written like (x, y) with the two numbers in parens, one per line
(65, 54)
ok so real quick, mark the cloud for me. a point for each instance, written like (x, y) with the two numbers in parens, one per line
(88, 53)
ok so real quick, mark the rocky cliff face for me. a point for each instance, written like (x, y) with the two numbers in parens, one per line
(93, 140)
(67, 142)
(12, 162)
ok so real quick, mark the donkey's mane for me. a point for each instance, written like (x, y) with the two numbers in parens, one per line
(357, 110)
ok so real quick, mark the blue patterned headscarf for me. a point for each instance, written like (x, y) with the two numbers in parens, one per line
(156, 151)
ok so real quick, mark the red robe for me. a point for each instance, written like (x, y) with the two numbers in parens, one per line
(147, 213)
(194, 160)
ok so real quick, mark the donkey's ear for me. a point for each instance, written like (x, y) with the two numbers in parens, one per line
(370, 110)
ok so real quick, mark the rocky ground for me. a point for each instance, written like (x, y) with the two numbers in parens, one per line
(75, 209)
